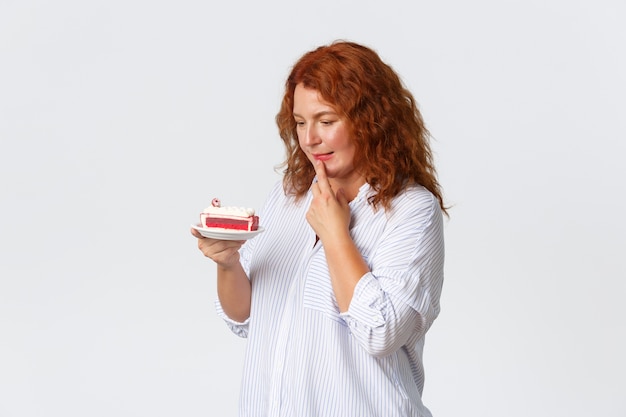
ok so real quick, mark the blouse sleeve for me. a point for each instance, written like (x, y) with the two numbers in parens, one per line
(399, 298)
(239, 328)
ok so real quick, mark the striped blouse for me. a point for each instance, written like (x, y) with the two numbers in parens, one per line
(304, 357)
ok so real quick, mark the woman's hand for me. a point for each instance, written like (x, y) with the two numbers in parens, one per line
(329, 213)
(225, 253)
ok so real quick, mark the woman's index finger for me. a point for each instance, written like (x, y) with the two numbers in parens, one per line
(322, 179)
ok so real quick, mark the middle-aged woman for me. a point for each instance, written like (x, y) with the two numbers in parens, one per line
(336, 296)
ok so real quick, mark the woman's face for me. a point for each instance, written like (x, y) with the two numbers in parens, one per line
(324, 136)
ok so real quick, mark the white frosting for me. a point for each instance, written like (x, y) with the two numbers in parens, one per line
(230, 211)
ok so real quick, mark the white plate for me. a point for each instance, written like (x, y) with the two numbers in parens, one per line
(224, 234)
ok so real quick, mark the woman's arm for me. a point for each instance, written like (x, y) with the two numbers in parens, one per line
(346, 267)
(233, 291)
(329, 216)
(399, 297)
(233, 285)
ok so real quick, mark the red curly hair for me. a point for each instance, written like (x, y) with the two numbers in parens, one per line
(392, 143)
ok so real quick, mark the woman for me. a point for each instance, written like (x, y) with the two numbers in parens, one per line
(335, 297)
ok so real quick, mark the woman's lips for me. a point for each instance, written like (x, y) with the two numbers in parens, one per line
(322, 156)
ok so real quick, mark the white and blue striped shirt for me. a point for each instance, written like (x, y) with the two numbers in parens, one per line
(304, 357)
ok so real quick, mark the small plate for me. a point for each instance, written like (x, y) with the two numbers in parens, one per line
(224, 234)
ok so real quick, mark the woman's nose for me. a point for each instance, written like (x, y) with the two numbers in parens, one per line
(311, 136)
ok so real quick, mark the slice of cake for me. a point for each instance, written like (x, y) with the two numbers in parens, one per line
(231, 218)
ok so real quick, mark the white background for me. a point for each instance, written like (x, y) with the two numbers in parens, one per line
(120, 120)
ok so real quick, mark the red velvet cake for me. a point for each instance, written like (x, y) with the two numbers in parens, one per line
(230, 218)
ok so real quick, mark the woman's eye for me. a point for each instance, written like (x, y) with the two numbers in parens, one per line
(326, 122)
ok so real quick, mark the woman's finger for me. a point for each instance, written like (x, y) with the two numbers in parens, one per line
(196, 234)
(322, 178)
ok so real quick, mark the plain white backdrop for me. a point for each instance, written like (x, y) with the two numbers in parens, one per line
(121, 120)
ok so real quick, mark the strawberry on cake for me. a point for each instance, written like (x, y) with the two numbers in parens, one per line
(230, 218)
